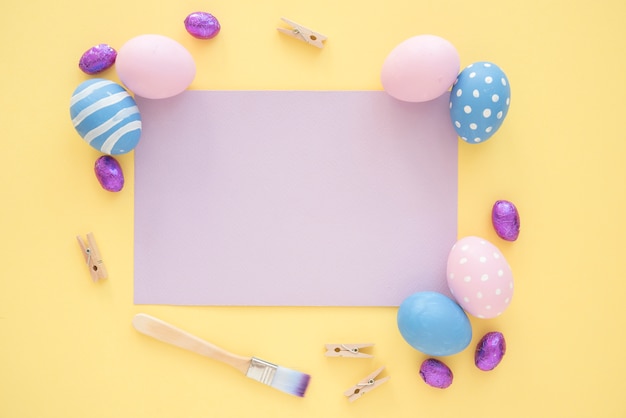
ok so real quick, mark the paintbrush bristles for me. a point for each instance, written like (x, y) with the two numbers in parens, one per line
(291, 381)
(281, 378)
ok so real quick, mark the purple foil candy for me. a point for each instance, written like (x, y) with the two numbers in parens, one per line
(505, 219)
(202, 25)
(97, 59)
(489, 351)
(109, 173)
(436, 374)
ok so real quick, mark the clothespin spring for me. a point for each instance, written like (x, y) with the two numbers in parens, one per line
(302, 33)
(362, 385)
(92, 257)
(347, 350)
(367, 384)
(96, 263)
(354, 350)
(297, 31)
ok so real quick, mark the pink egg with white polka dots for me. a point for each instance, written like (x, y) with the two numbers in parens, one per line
(479, 277)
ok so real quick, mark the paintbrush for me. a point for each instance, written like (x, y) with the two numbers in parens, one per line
(278, 377)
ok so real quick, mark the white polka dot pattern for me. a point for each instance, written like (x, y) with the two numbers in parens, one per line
(479, 277)
(479, 101)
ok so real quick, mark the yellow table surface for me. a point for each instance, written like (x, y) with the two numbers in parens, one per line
(67, 347)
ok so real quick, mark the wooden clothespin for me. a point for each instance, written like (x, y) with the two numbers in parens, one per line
(304, 34)
(92, 257)
(347, 350)
(367, 384)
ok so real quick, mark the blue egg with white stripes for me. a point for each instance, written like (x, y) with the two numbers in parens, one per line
(479, 101)
(106, 116)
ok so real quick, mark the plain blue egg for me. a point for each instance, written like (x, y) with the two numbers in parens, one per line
(434, 324)
(479, 101)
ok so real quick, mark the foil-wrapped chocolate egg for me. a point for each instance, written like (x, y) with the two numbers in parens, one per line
(109, 173)
(505, 219)
(202, 25)
(97, 59)
(489, 351)
(436, 374)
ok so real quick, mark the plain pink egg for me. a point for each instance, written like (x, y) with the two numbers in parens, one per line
(420, 69)
(479, 277)
(155, 66)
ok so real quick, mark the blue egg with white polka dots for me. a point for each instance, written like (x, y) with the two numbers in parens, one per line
(479, 101)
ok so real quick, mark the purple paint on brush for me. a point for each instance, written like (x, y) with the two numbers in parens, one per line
(290, 381)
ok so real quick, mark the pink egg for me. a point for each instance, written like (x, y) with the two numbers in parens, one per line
(420, 69)
(155, 66)
(479, 277)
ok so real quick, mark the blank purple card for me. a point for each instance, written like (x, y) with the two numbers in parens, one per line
(293, 198)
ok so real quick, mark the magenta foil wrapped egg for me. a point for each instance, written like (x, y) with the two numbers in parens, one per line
(489, 351)
(202, 25)
(436, 374)
(97, 59)
(109, 173)
(505, 219)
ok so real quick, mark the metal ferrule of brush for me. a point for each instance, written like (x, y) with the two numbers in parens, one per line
(262, 371)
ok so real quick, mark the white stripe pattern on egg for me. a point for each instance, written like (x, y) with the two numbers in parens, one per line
(99, 105)
(106, 116)
(87, 91)
(117, 118)
(110, 142)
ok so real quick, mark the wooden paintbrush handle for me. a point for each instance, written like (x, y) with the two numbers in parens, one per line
(170, 334)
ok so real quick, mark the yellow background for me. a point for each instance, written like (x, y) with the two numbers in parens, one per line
(67, 347)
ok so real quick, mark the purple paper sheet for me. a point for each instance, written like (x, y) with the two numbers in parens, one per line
(293, 198)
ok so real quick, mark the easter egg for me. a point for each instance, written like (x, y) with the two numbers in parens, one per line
(436, 374)
(479, 101)
(420, 68)
(489, 351)
(97, 59)
(505, 220)
(202, 25)
(479, 277)
(105, 116)
(155, 66)
(109, 173)
(434, 324)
